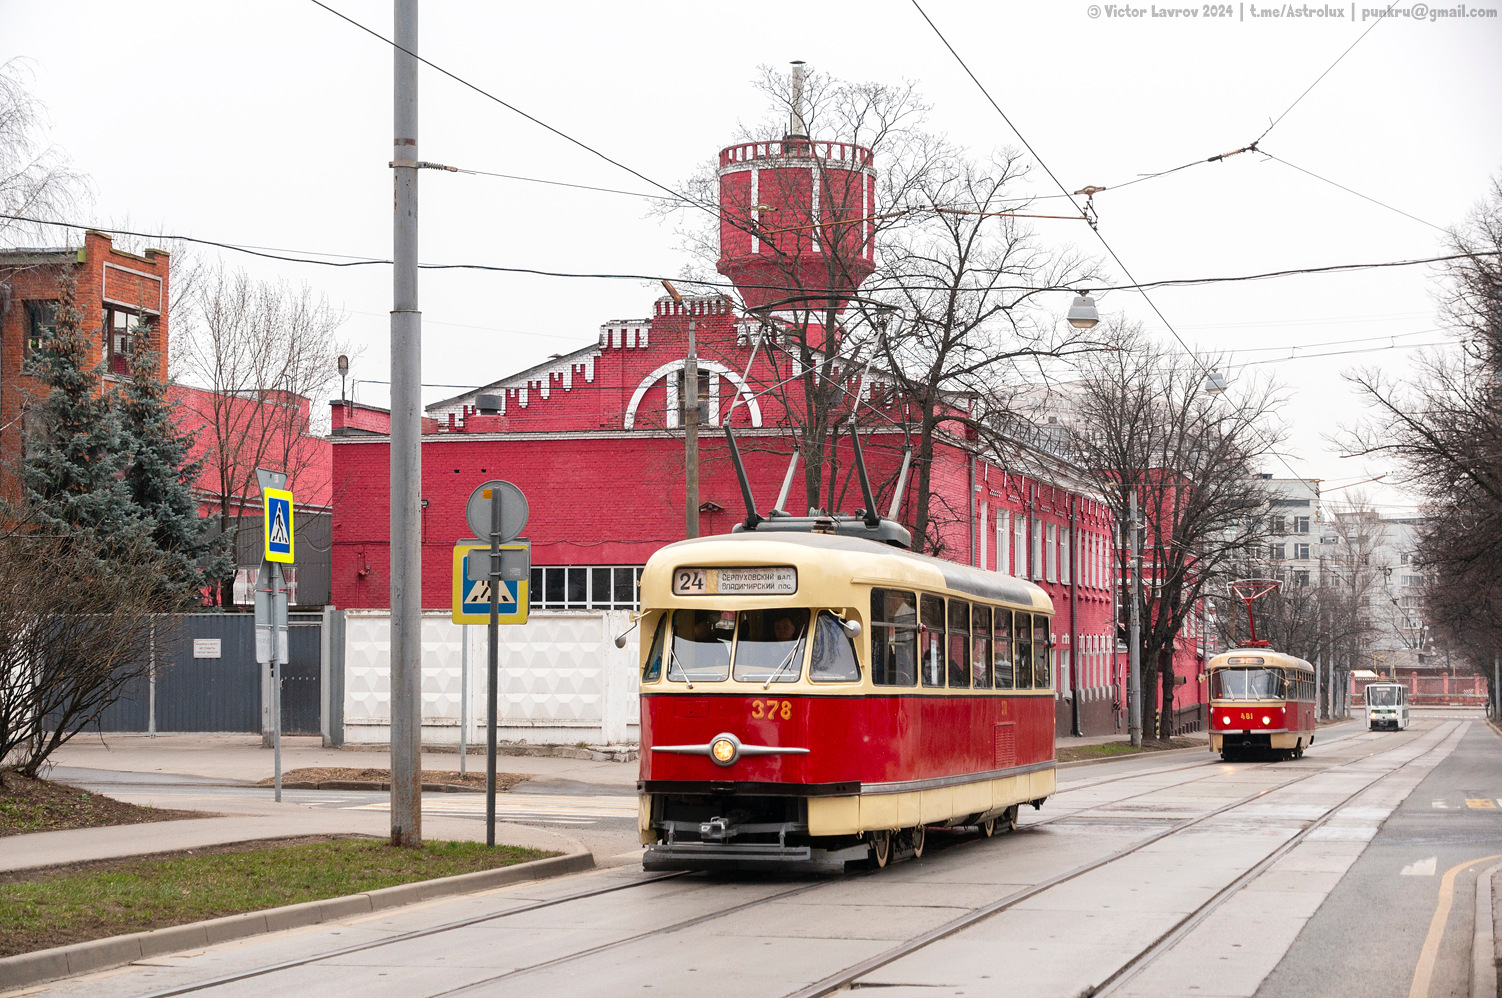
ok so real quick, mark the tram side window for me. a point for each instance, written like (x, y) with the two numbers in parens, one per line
(700, 650)
(980, 637)
(959, 644)
(1041, 648)
(652, 669)
(1001, 650)
(894, 638)
(931, 639)
(834, 658)
(1022, 650)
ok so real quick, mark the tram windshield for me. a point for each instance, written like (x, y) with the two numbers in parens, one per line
(766, 645)
(1248, 684)
(1382, 696)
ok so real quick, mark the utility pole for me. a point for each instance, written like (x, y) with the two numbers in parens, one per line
(691, 436)
(406, 453)
(1134, 635)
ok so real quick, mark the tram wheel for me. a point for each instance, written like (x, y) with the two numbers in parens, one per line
(916, 838)
(988, 827)
(1009, 818)
(881, 849)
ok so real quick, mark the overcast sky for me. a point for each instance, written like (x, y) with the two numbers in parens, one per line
(269, 124)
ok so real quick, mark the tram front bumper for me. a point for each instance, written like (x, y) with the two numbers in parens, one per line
(750, 856)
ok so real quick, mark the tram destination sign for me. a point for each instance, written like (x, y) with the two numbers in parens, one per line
(770, 580)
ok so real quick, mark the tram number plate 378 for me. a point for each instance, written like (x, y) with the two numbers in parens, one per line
(770, 580)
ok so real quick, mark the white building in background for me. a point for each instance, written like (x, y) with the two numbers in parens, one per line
(1291, 548)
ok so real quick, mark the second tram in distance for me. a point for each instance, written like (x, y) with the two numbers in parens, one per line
(1386, 706)
(1261, 703)
(812, 696)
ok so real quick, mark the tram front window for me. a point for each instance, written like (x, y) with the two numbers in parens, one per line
(701, 645)
(1248, 684)
(1381, 696)
(769, 645)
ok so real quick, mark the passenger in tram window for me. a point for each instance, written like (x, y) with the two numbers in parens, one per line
(833, 659)
(931, 639)
(1022, 657)
(980, 636)
(1001, 650)
(959, 644)
(1041, 648)
(894, 638)
(769, 645)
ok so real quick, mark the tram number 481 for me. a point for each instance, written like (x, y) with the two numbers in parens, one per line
(771, 709)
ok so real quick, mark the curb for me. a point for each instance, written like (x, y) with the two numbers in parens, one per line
(1483, 940)
(100, 954)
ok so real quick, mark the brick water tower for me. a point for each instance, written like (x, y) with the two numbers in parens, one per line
(795, 217)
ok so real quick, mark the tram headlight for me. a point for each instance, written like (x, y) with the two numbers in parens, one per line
(1266, 719)
(722, 750)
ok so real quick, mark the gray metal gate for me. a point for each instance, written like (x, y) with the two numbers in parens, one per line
(207, 678)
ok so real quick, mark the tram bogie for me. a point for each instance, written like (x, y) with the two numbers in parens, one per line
(812, 700)
(1262, 704)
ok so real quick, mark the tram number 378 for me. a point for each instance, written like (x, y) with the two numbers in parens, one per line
(771, 709)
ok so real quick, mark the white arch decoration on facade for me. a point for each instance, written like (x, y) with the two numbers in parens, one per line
(742, 390)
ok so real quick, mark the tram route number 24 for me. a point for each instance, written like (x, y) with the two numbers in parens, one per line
(771, 709)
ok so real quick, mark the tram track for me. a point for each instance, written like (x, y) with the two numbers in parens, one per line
(824, 987)
(851, 975)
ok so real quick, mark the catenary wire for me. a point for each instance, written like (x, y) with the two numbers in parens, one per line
(1380, 204)
(1184, 282)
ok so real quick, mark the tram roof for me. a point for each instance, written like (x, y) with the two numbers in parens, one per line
(1271, 657)
(866, 562)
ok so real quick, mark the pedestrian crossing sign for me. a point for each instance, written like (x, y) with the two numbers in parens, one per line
(279, 525)
(472, 596)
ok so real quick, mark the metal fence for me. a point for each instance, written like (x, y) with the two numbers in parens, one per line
(203, 677)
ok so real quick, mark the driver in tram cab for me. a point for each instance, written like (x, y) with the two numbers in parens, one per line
(783, 629)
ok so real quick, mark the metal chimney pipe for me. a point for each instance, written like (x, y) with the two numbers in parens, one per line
(796, 127)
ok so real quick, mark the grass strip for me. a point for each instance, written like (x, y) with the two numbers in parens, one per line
(1107, 750)
(41, 909)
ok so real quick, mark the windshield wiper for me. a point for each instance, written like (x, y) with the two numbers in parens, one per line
(786, 659)
(672, 661)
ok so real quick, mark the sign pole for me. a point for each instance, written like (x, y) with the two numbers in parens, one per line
(278, 630)
(1134, 635)
(492, 666)
(463, 697)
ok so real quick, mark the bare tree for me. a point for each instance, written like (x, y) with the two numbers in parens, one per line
(36, 180)
(961, 284)
(1442, 424)
(817, 247)
(72, 639)
(1146, 421)
(263, 351)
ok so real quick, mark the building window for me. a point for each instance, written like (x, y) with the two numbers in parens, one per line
(41, 321)
(1301, 524)
(120, 329)
(1066, 554)
(1276, 552)
(1019, 546)
(1301, 552)
(1003, 542)
(1413, 580)
(585, 587)
(985, 517)
(1051, 552)
(1301, 578)
(1277, 525)
(704, 382)
(1403, 558)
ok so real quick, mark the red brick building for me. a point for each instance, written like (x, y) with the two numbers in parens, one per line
(117, 293)
(594, 438)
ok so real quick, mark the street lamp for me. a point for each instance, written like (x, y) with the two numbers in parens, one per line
(1083, 314)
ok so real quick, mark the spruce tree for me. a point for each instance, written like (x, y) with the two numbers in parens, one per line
(75, 452)
(160, 477)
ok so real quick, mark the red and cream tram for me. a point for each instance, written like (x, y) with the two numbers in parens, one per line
(1261, 702)
(812, 694)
